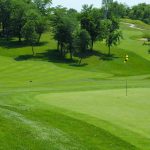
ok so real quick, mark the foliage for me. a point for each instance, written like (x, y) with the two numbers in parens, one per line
(113, 34)
(15, 14)
(140, 12)
(42, 5)
(30, 34)
(117, 10)
(18, 17)
(63, 28)
(82, 42)
(5, 17)
(91, 20)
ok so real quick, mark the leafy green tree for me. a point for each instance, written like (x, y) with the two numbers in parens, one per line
(147, 42)
(105, 5)
(140, 12)
(90, 19)
(73, 13)
(43, 5)
(40, 22)
(63, 27)
(117, 10)
(18, 17)
(82, 42)
(113, 34)
(65, 33)
(5, 17)
(41, 27)
(56, 16)
(30, 34)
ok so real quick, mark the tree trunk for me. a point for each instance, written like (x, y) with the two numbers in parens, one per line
(92, 45)
(19, 37)
(58, 45)
(38, 41)
(33, 50)
(7, 34)
(80, 60)
(20, 27)
(109, 51)
(3, 30)
(70, 49)
(71, 57)
(61, 49)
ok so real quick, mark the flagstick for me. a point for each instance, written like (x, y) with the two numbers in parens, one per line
(125, 61)
(126, 87)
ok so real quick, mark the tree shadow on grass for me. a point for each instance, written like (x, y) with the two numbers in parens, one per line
(24, 57)
(101, 55)
(78, 65)
(49, 55)
(54, 56)
(11, 43)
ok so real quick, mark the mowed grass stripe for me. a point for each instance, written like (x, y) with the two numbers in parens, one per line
(80, 135)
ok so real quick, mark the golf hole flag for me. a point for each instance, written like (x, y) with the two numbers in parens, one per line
(126, 59)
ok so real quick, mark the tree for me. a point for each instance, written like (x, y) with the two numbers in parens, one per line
(63, 27)
(105, 6)
(42, 5)
(82, 42)
(91, 20)
(113, 34)
(30, 34)
(117, 10)
(18, 17)
(65, 33)
(5, 17)
(40, 22)
(147, 42)
(41, 27)
(55, 20)
(140, 12)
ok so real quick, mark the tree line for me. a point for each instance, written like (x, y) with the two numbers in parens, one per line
(137, 12)
(75, 32)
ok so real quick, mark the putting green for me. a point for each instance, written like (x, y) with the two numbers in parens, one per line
(130, 113)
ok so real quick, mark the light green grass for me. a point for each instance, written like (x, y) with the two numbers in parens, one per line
(71, 107)
(138, 23)
(131, 113)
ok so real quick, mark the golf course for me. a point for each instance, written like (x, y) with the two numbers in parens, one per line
(51, 104)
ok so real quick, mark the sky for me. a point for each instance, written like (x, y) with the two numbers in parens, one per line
(77, 4)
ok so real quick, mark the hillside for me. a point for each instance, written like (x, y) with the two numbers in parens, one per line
(51, 103)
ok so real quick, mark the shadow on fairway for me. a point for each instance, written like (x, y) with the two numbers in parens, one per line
(54, 56)
(101, 55)
(104, 56)
(49, 55)
(79, 65)
(11, 43)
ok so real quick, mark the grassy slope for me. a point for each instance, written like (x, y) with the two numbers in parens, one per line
(77, 120)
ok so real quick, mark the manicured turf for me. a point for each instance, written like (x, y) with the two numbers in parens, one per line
(48, 103)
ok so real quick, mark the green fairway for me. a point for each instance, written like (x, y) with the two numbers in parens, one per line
(47, 103)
